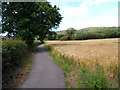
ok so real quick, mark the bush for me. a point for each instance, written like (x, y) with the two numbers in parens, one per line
(13, 48)
(13, 54)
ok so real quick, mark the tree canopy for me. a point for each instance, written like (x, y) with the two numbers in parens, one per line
(26, 20)
(69, 33)
(51, 35)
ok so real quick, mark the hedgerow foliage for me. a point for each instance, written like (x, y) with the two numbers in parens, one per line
(13, 57)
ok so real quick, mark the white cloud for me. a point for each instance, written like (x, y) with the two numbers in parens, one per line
(78, 17)
(104, 21)
(75, 12)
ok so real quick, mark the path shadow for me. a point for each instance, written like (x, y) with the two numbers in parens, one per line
(40, 49)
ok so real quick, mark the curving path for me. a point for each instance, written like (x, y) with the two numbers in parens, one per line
(45, 72)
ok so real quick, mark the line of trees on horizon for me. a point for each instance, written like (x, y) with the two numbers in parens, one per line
(84, 34)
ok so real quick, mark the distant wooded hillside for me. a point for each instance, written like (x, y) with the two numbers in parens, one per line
(86, 33)
(91, 30)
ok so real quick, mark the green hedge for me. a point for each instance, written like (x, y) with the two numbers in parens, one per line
(13, 54)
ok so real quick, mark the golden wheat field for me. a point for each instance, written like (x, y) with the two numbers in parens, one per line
(103, 51)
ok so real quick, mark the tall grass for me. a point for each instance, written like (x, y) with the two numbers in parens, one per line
(92, 79)
(78, 75)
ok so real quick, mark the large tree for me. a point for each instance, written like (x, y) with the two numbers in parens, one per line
(26, 20)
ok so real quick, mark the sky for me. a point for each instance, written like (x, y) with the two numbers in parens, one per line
(87, 13)
(80, 14)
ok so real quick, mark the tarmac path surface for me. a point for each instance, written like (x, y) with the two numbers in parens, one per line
(45, 72)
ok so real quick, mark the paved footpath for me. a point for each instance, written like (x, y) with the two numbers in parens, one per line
(45, 72)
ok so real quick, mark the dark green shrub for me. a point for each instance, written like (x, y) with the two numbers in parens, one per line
(13, 50)
(14, 53)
